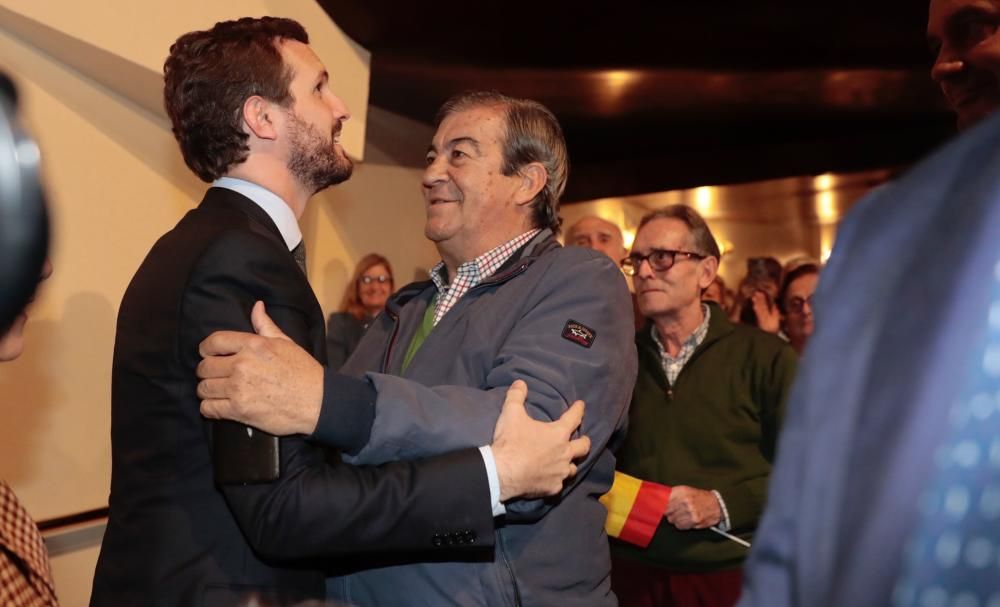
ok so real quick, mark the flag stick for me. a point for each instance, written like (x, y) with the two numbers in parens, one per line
(730, 536)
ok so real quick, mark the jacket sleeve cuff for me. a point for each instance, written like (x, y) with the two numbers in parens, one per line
(744, 503)
(724, 523)
(347, 412)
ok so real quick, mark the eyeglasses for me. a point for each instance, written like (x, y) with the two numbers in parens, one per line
(381, 279)
(660, 260)
(798, 304)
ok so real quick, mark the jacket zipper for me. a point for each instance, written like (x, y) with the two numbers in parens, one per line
(395, 317)
(392, 340)
(510, 570)
(698, 351)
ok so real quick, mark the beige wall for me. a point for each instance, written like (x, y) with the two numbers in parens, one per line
(89, 80)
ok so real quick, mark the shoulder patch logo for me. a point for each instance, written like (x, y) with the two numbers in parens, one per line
(578, 333)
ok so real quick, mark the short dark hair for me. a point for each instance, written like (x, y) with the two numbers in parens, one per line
(531, 134)
(701, 234)
(210, 74)
(797, 273)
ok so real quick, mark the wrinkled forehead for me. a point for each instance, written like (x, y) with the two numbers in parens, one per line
(663, 233)
(482, 124)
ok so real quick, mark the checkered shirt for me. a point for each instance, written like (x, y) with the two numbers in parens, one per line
(25, 576)
(672, 365)
(471, 273)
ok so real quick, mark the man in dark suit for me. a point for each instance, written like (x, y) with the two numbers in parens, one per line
(902, 308)
(253, 112)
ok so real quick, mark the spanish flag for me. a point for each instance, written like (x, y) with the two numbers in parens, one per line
(635, 508)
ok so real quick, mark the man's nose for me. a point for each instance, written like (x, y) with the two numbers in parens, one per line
(435, 172)
(339, 108)
(946, 65)
(645, 269)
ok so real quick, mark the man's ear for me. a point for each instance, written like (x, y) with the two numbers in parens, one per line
(533, 178)
(259, 117)
(709, 269)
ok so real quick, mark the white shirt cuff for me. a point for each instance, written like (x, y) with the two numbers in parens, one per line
(724, 522)
(494, 480)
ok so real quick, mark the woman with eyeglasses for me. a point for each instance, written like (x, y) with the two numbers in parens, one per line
(364, 298)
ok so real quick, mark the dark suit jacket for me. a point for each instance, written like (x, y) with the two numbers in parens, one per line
(175, 538)
(898, 311)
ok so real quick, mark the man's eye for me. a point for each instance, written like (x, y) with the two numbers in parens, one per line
(659, 257)
(458, 154)
(972, 30)
(430, 159)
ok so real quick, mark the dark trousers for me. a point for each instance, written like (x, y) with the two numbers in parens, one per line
(639, 585)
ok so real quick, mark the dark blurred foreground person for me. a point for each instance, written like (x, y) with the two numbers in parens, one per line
(887, 485)
(364, 298)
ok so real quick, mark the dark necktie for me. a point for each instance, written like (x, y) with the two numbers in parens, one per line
(299, 253)
(955, 552)
(25, 576)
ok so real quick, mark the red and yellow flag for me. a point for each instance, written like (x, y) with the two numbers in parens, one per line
(635, 508)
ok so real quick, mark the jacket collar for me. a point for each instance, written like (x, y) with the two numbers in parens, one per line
(719, 326)
(223, 198)
(542, 243)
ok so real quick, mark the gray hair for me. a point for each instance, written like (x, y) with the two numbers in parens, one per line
(701, 234)
(532, 134)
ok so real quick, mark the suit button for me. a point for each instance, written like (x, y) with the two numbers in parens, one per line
(436, 540)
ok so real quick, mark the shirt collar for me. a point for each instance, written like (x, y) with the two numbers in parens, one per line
(276, 208)
(485, 265)
(692, 342)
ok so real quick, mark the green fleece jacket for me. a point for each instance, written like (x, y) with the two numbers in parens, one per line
(715, 428)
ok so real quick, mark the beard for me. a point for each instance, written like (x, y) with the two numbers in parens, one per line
(315, 161)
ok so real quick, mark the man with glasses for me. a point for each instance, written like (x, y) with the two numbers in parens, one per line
(795, 303)
(704, 420)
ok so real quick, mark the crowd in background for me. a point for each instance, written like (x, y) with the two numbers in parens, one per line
(772, 297)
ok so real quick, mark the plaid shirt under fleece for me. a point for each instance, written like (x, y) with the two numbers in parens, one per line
(471, 273)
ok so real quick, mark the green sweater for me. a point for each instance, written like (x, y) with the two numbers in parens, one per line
(715, 428)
